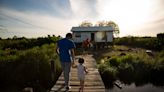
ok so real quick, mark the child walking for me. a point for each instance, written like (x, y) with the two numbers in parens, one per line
(81, 73)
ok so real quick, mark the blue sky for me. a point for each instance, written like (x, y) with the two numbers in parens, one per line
(38, 18)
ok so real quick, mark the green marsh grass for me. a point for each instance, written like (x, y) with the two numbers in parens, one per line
(133, 67)
(31, 67)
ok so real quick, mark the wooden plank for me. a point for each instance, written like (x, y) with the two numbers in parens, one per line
(93, 81)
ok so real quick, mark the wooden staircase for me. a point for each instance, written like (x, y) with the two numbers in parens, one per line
(93, 81)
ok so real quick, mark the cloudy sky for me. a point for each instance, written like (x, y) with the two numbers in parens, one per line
(39, 18)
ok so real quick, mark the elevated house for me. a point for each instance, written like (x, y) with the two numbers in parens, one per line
(98, 36)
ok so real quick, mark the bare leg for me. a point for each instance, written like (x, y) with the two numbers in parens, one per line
(82, 85)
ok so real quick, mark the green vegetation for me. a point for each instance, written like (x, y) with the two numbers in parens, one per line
(153, 43)
(130, 63)
(132, 66)
(24, 43)
(27, 63)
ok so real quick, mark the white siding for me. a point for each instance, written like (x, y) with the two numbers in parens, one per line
(109, 36)
(99, 36)
(86, 35)
(83, 36)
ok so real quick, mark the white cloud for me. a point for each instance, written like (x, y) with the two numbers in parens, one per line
(39, 25)
(132, 16)
(84, 9)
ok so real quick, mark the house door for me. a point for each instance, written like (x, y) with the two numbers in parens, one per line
(92, 37)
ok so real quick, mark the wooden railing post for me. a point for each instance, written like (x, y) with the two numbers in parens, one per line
(53, 70)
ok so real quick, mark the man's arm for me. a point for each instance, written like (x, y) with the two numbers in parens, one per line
(57, 50)
(73, 55)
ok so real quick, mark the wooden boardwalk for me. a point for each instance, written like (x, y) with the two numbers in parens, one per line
(93, 81)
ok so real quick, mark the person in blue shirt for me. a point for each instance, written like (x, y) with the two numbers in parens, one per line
(65, 49)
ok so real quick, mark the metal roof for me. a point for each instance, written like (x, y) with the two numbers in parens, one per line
(82, 29)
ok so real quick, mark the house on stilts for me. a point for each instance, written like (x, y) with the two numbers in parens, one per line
(99, 36)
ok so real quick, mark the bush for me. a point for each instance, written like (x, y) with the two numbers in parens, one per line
(126, 73)
(114, 62)
(134, 68)
(29, 68)
(141, 42)
(108, 74)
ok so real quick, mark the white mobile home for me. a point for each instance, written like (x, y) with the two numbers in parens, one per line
(98, 35)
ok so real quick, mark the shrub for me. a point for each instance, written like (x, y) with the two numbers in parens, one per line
(126, 59)
(113, 62)
(108, 74)
(141, 42)
(138, 68)
(126, 72)
(30, 67)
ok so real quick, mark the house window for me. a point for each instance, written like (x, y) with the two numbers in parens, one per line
(77, 35)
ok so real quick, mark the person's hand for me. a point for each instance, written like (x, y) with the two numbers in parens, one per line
(87, 72)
